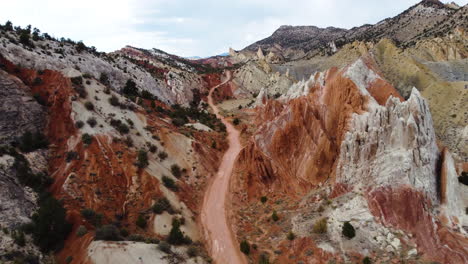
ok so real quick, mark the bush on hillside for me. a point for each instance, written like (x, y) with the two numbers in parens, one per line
(176, 237)
(32, 141)
(169, 183)
(50, 224)
(142, 159)
(348, 230)
(108, 233)
(91, 122)
(87, 139)
(320, 227)
(245, 247)
(176, 171)
(161, 205)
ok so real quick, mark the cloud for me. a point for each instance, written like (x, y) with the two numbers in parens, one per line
(186, 27)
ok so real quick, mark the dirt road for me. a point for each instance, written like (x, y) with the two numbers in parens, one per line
(222, 245)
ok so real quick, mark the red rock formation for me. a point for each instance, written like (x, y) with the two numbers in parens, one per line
(408, 210)
(298, 145)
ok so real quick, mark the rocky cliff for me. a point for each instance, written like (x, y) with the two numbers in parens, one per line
(344, 147)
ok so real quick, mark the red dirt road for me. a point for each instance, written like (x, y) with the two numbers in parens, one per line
(224, 248)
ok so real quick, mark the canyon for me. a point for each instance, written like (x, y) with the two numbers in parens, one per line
(314, 145)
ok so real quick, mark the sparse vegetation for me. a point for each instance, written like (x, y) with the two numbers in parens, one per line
(263, 259)
(320, 227)
(192, 251)
(104, 79)
(162, 155)
(348, 230)
(89, 106)
(291, 236)
(176, 237)
(169, 183)
(245, 247)
(161, 205)
(175, 170)
(71, 155)
(50, 225)
(236, 121)
(87, 139)
(263, 199)
(142, 159)
(164, 247)
(81, 231)
(32, 141)
(141, 221)
(130, 88)
(366, 260)
(91, 122)
(79, 124)
(114, 100)
(274, 216)
(108, 233)
(120, 126)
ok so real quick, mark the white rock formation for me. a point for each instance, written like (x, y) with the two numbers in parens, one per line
(391, 145)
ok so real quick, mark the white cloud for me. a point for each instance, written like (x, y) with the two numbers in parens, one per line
(186, 27)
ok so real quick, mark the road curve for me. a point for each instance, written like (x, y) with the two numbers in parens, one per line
(222, 244)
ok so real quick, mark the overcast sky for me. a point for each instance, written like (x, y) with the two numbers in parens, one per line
(189, 28)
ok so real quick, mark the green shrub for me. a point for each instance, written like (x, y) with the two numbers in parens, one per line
(176, 237)
(263, 199)
(80, 46)
(192, 251)
(161, 205)
(152, 148)
(136, 238)
(366, 260)
(108, 232)
(175, 169)
(275, 216)
(348, 230)
(79, 124)
(291, 236)
(39, 99)
(81, 231)
(178, 122)
(68, 259)
(71, 155)
(77, 80)
(164, 247)
(87, 139)
(142, 159)
(124, 232)
(38, 182)
(50, 224)
(89, 106)
(263, 259)
(114, 100)
(320, 227)
(236, 121)
(30, 142)
(162, 155)
(147, 95)
(141, 221)
(130, 88)
(169, 183)
(91, 122)
(18, 238)
(104, 79)
(120, 126)
(88, 214)
(245, 247)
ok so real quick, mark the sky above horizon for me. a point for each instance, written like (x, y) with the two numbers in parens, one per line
(190, 28)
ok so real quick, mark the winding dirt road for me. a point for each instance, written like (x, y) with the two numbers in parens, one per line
(223, 246)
